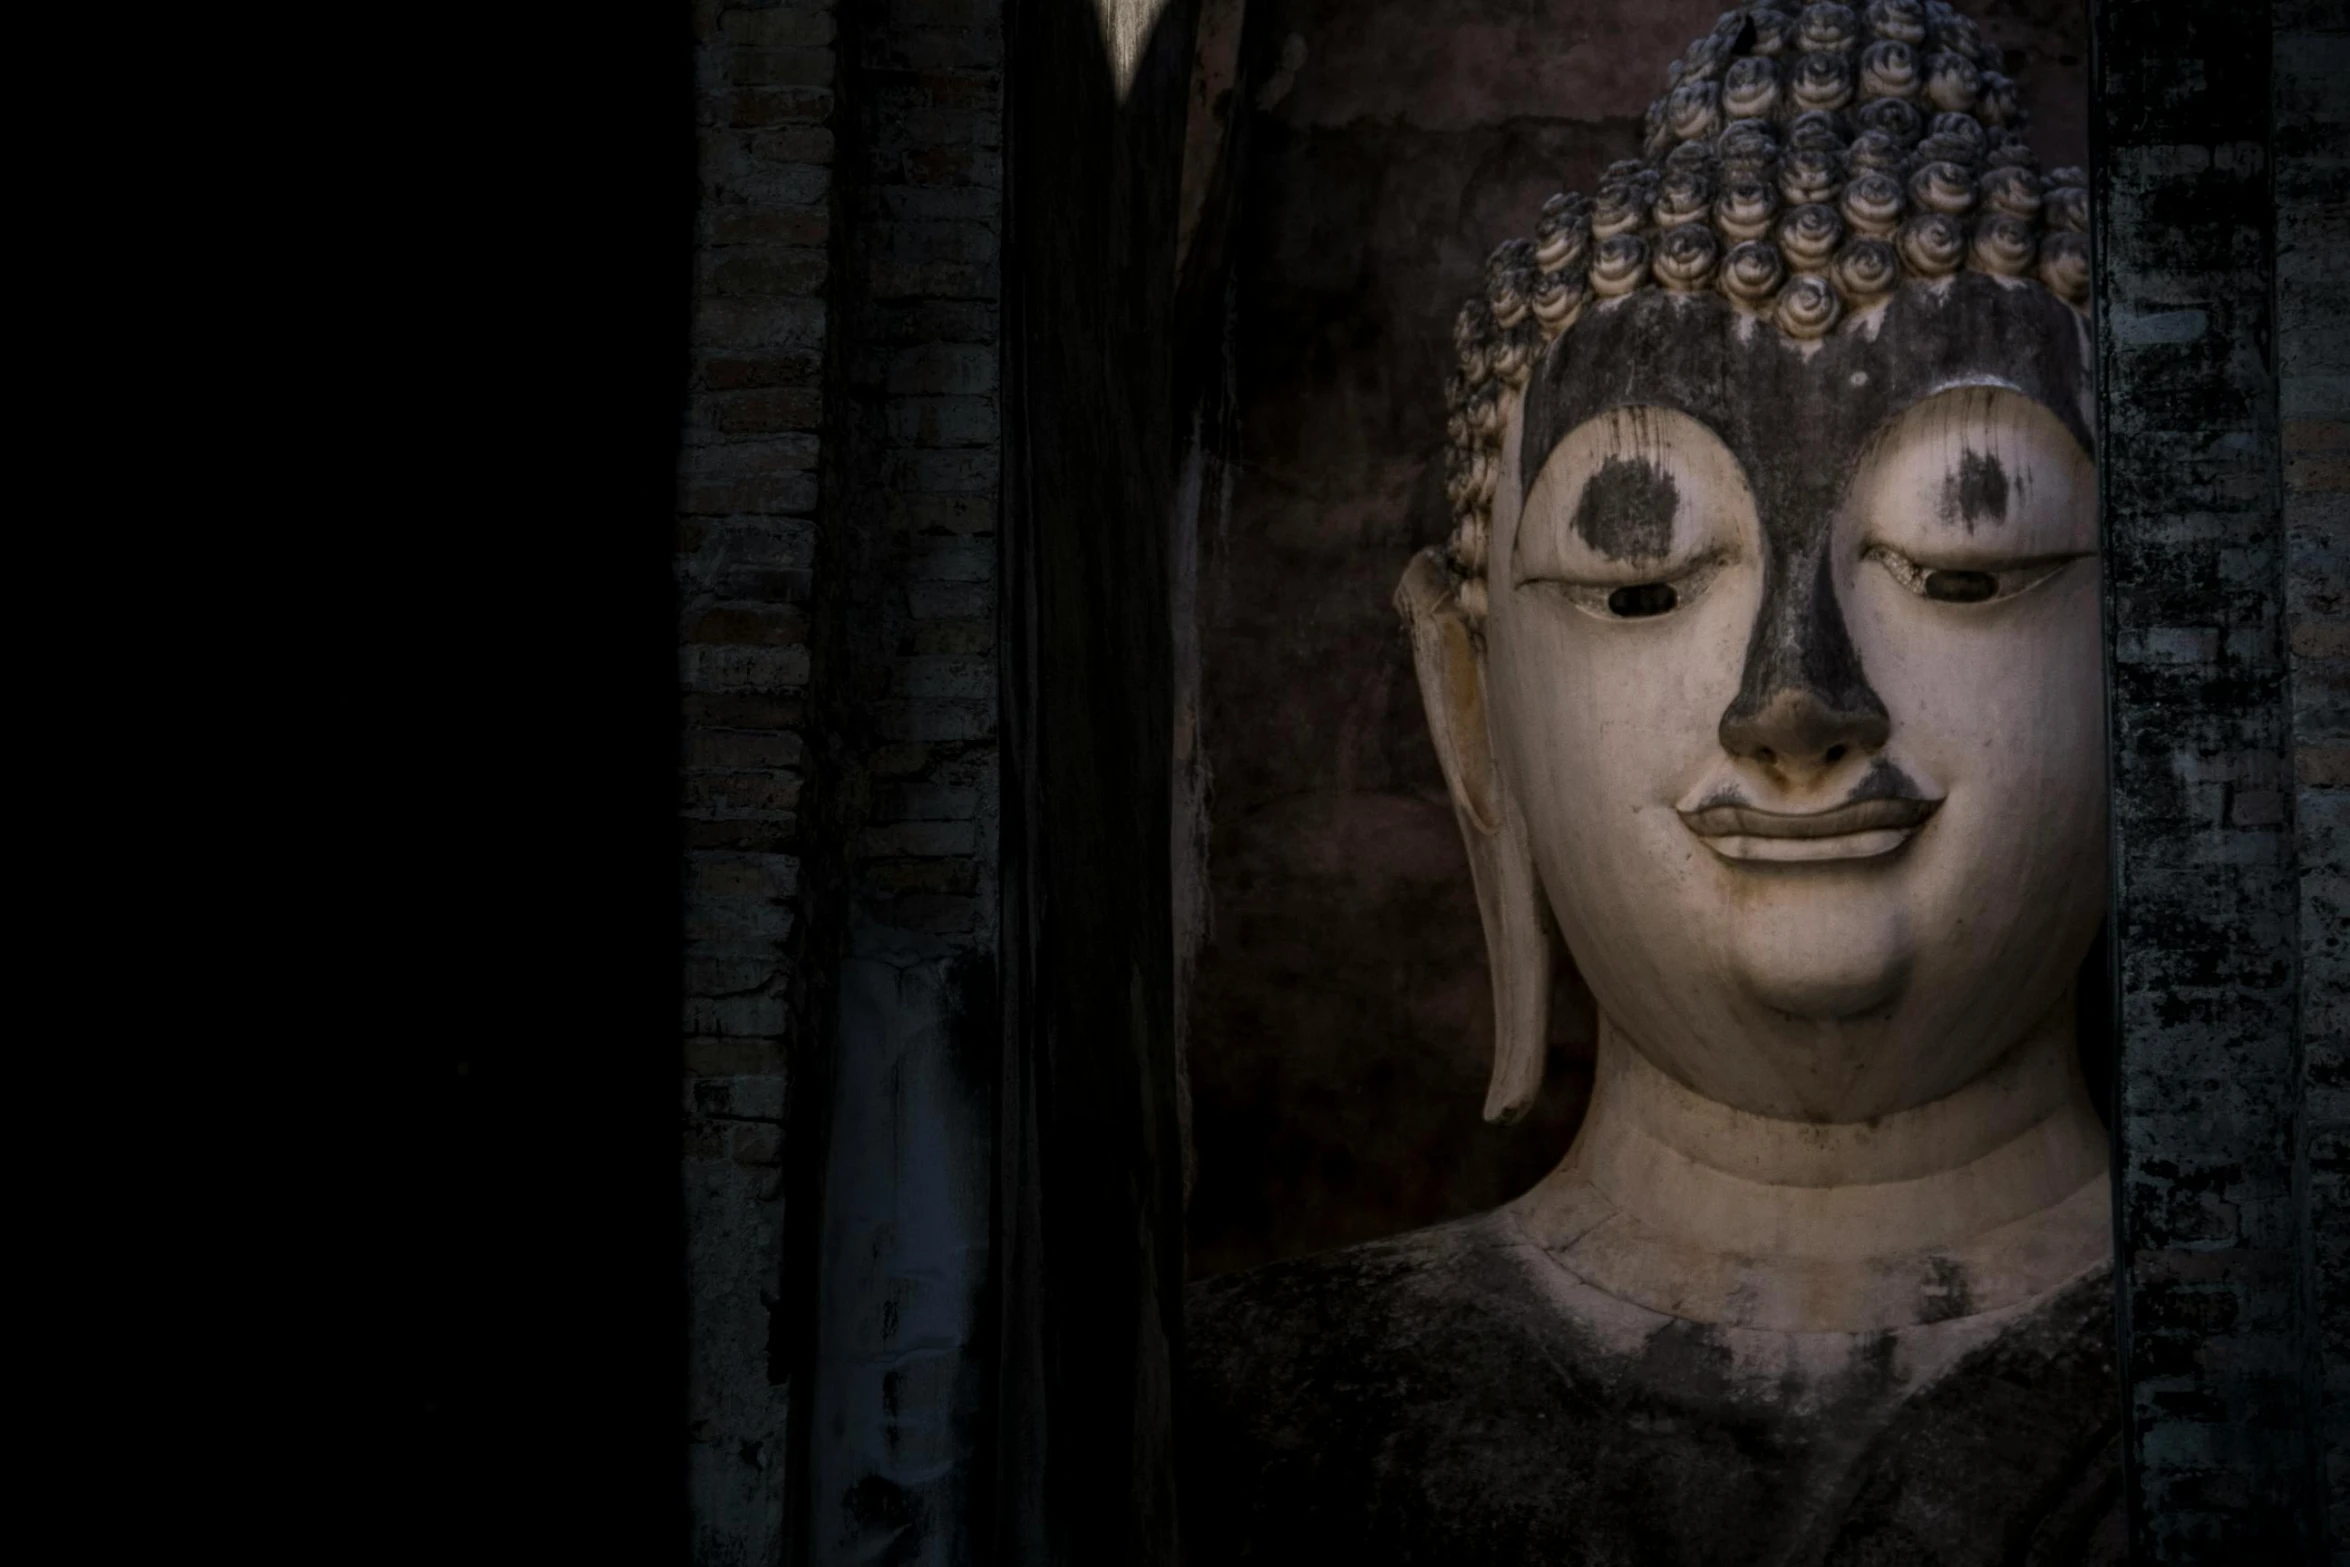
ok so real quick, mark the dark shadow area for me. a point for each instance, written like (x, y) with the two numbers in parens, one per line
(524, 869)
(1089, 1218)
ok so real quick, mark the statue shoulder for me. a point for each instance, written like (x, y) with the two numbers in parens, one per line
(2012, 1454)
(1399, 1302)
(1443, 1396)
(1397, 1400)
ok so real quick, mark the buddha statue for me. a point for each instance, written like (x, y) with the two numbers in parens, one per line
(1763, 666)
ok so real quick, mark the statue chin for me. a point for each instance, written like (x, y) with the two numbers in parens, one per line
(1824, 966)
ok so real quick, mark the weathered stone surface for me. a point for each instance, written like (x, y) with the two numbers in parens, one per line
(891, 1154)
(2224, 924)
(748, 492)
(1451, 1396)
(837, 570)
(2311, 182)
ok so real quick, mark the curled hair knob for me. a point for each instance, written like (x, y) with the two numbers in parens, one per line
(1751, 272)
(1808, 307)
(1619, 266)
(1685, 258)
(1932, 244)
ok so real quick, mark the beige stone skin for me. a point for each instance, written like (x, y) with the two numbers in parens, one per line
(1837, 1082)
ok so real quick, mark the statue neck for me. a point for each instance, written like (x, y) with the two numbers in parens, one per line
(1986, 1197)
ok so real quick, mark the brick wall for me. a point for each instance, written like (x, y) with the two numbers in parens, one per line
(2222, 382)
(2312, 190)
(920, 418)
(907, 680)
(746, 546)
(836, 559)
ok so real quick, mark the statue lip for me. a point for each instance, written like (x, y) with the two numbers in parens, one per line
(1855, 830)
(1731, 819)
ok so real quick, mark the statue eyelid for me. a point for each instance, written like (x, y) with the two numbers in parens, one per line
(1988, 582)
(1637, 599)
(1699, 541)
(1605, 573)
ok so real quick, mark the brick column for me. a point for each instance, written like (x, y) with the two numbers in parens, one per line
(897, 1354)
(2196, 291)
(2311, 93)
(747, 508)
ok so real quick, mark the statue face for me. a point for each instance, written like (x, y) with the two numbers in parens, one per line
(1793, 673)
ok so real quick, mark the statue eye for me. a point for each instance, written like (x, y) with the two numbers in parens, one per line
(1955, 585)
(1636, 600)
(1960, 587)
(1642, 599)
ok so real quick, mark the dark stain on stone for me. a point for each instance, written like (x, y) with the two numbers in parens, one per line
(1977, 492)
(876, 1504)
(1627, 509)
(1798, 425)
(1877, 1368)
(1884, 781)
(1946, 1293)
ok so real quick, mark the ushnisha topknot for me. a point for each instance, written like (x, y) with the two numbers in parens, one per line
(1804, 162)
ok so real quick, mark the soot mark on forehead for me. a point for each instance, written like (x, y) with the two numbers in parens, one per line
(1627, 508)
(1799, 421)
(1977, 492)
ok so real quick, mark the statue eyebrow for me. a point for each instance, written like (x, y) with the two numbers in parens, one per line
(1651, 392)
(1981, 487)
(1976, 490)
(1627, 508)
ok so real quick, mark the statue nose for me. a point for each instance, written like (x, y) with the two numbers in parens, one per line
(1803, 729)
(1804, 703)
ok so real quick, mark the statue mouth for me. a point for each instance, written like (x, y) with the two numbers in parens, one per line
(1855, 830)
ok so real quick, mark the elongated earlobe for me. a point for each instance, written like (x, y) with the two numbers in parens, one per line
(1518, 940)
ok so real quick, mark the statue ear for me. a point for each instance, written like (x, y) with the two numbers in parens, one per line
(1518, 945)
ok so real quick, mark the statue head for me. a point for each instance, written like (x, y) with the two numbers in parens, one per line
(1764, 655)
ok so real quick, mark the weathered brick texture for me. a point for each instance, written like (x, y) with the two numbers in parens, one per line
(920, 416)
(906, 727)
(2311, 152)
(843, 428)
(747, 525)
(2221, 378)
